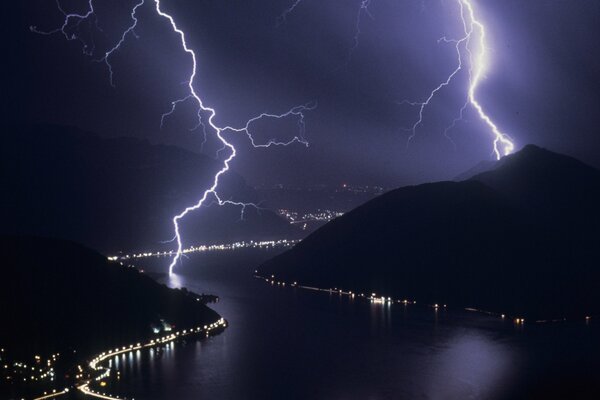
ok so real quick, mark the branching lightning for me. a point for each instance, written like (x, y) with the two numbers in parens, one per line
(471, 46)
(502, 143)
(211, 193)
(212, 190)
(79, 19)
(470, 50)
(129, 30)
(473, 30)
(459, 67)
(362, 9)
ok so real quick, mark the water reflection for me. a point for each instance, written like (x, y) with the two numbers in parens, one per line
(284, 343)
(471, 365)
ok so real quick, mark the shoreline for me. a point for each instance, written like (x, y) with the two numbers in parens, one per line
(95, 364)
(384, 300)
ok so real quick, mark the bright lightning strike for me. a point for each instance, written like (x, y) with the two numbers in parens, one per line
(73, 22)
(473, 30)
(212, 190)
(502, 143)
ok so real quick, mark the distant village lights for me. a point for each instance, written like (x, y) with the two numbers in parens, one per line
(265, 244)
(388, 301)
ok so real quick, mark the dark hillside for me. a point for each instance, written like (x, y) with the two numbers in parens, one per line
(58, 295)
(527, 248)
(118, 194)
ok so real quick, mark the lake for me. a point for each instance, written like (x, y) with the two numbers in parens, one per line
(289, 343)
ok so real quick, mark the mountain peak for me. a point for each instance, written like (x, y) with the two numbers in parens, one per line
(536, 165)
(527, 228)
(529, 154)
(544, 180)
(534, 153)
(532, 148)
(535, 156)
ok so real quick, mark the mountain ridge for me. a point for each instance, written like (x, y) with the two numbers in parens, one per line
(119, 194)
(469, 243)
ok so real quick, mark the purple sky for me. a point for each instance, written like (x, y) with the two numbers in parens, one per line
(541, 86)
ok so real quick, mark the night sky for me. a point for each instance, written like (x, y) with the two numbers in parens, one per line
(542, 82)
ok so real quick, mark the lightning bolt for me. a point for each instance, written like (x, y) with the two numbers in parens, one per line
(449, 78)
(212, 190)
(474, 30)
(362, 9)
(503, 145)
(79, 19)
(283, 16)
(129, 30)
(296, 112)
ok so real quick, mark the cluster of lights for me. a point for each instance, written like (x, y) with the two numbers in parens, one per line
(320, 215)
(32, 373)
(265, 244)
(104, 372)
(95, 363)
(342, 188)
(374, 298)
(377, 190)
(40, 371)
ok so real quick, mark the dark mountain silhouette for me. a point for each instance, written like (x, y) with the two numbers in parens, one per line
(58, 295)
(520, 239)
(555, 188)
(482, 166)
(118, 194)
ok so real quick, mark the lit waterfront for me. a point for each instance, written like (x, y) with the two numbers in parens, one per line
(295, 342)
(335, 303)
(104, 372)
(374, 298)
(95, 363)
(294, 217)
(251, 244)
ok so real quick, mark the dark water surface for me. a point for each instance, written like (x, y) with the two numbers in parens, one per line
(287, 343)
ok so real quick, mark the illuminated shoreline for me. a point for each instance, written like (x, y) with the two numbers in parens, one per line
(251, 244)
(94, 364)
(373, 298)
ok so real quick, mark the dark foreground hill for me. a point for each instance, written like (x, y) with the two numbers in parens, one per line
(58, 296)
(520, 239)
(118, 194)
